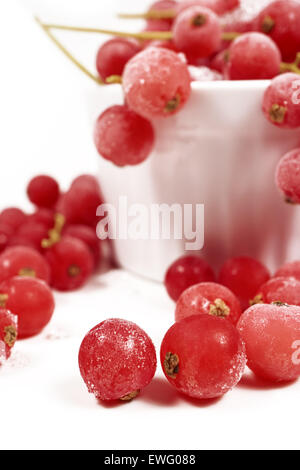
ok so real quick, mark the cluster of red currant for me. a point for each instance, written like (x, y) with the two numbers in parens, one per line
(246, 318)
(56, 246)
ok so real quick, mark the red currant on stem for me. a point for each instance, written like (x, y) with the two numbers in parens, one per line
(288, 176)
(129, 141)
(114, 54)
(43, 191)
(89, 237)
(117, 359)
(31, 300)
(8, 333)
(203, 356)
(270, 333)
(23, 261)
(279, 289)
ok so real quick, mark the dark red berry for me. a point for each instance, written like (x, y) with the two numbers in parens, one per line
(13, 217)
(43, 191)
(114, 54)
(88, 236)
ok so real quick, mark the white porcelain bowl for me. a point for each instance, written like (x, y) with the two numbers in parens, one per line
(219, 151)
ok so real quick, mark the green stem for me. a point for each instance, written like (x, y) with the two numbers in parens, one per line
(68, 54)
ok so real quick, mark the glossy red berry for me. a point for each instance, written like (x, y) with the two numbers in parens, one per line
(243, 276)
(279, 289)
(197, 32)
(79, 204)
(281, 101)
(280, 20)
(208, 298)
(34, 233)
(117, 359)
(8, 333)
(253, 56)
(203, 356)
(156, 83)
(5, 234)
(123, 137)
(224, 6)
(185, 4)
(291, 269)
(31, 300)
(71, 263)
(87, 235)
(13, 217)
(42, 216)
(114, 54)
(43, 191)
(23, 261)
(185, 272)
(271, 334)
(288, 176)
(163, 24)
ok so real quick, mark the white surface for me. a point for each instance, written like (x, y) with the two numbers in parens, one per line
(43, 402)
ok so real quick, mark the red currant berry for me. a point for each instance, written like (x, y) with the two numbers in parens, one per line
(31, 300)
(253, 56)
(156, 83)
(88, 236)
(224, 6)
(123, 137)
(79, 205)
(285, 290)
(197, 32)
(219, 61)
(8, 333)
(86, 180)
(280, 106)
(208, 298)
(185, 4)
(71, 263)
(271, 333)
(291, 269)
(186, 272)
(43, 191)
(23, 261)
(166, 44)
(280, 20)
(163, 24)
(203, 356)
(117, 359)
(114, 54)
(13, 217)
(5, 234)
(42, 216)
(34, 233)
(288, 176)
(243, 276)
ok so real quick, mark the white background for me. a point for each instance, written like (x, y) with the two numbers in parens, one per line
(43, 401)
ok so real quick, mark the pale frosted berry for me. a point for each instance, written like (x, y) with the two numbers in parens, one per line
(114, 54)
(253, 56)
(243, 276)
(288, 176)
(123, 137)
(271, 334)
(185, 272)
(117, 359)
(23, 261)
(208, 298)
(281, 101)
(280, 20)
(31, 300)
(291, 269)
(156, 83)
(203, 356)
(8, 333)
(197, 32)
(279, 289)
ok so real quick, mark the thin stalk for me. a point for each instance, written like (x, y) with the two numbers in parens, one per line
(150, 15)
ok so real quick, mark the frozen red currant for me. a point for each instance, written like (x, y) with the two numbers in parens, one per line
(123, 137)
(88, 236)
(114, 54)
(197, 32)
(71, 263)
(288, 176)
(271, 334)
(280, 20)
(281, 101)
(23, 261)
(185, 272)
(31, 300)
(8, 333)
(13, 217)
(219, 61)
(291, 269)
(253, 56)
(203, 356)
(285, 290)
(223, 6)
(185, 4)
(208, 298)
(243, 276)
(117, 359)
(43, 191)
(156, 83)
